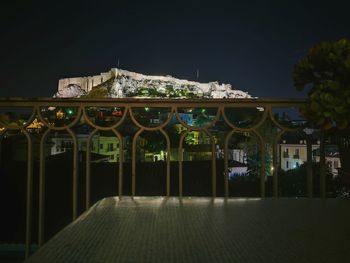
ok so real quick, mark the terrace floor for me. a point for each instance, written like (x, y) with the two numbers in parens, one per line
(154, 229)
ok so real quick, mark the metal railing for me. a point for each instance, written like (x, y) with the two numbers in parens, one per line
(285, 155)
(296, 156)
(129, 106)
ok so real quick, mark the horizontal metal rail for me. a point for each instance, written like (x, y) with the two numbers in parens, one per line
(29, 102)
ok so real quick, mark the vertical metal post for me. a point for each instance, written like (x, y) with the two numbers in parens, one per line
(180, 157)
(133, 163)
(168, 171)
(29, 194)
(180, 154)
(1, 138)
(120, 163)
(228, 136)
(274, 169)
(213, 167)
(120, 174)
(133, 170)
(88, 174)
(322, 166)
(75, 174)
(263, 169)
(75, 182)
(88, 169)
(309, 166)
(167, 163)
(41, 218)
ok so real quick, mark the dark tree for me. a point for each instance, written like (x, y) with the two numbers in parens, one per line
(325, 71)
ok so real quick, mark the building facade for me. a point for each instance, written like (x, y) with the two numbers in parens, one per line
(294, 155)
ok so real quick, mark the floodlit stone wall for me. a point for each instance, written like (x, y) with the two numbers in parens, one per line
(86, 83)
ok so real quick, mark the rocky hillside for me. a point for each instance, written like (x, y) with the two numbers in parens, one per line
(126, 84)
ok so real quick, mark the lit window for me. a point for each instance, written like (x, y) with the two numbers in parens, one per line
(110, 147)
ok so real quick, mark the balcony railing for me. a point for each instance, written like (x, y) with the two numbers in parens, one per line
(285, 155)
(48, 112)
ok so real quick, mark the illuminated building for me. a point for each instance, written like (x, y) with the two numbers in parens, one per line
(294, 155)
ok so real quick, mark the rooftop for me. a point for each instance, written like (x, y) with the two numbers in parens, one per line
(155, 229)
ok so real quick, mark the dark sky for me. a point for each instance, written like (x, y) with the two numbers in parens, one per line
(251, 44)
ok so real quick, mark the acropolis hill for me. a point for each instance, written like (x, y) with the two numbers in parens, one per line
(118, 83)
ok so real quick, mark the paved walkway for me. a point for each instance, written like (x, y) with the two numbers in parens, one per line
(199, 230)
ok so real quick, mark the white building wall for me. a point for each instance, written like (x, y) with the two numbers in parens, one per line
(291, 162)
(61, 144)
(106, 145)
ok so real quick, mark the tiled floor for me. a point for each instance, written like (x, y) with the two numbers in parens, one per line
(202, 230)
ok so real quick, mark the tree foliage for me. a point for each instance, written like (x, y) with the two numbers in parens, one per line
(326, 72)
(269, 133)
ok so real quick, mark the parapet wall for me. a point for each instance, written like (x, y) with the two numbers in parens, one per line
(86, 83)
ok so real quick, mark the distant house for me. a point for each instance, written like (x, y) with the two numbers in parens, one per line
(332, 158)
(103, 145)
(294, 154)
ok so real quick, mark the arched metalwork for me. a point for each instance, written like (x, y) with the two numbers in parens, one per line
(129, 106)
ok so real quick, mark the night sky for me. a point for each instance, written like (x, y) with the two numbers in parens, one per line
(251, 44)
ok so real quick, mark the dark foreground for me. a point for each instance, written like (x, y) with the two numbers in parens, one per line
(152, 229)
